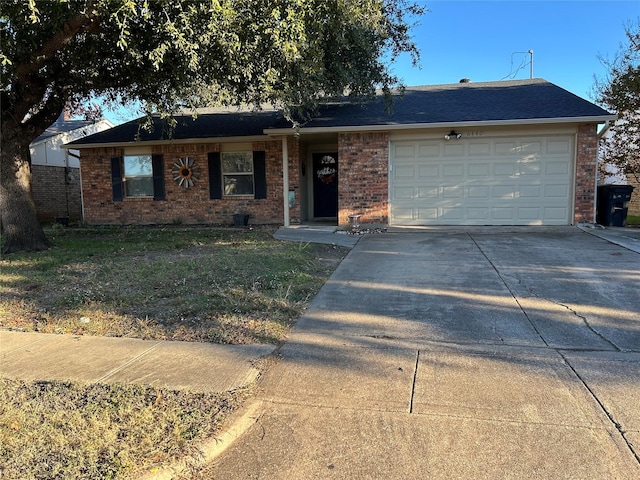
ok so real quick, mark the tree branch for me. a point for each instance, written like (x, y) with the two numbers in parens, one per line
(82, 22)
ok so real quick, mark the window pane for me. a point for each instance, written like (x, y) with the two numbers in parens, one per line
(138, 187)
(138, 165)
(238, 184)
(138, 176)
(237, 162)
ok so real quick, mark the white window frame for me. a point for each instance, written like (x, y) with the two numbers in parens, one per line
(227, 186)
(129, 179)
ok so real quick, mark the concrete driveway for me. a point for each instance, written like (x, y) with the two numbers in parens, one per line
(458, 353)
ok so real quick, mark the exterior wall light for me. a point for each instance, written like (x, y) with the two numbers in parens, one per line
(453, 134)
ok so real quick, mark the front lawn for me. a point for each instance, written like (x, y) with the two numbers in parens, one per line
(195, 284)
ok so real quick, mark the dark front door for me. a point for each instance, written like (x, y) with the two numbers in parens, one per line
(325, 185)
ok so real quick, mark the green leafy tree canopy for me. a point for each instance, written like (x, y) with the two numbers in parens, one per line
(620, 92)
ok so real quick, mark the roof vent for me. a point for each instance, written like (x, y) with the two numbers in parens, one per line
(465, 80)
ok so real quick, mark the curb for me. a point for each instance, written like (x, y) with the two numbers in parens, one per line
(213, 447)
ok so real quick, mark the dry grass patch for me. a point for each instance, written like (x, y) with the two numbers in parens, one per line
(66, 430)
(196, 284)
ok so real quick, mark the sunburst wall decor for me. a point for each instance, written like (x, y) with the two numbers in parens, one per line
(186, 172)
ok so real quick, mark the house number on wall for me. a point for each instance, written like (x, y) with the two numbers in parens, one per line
(186, 172)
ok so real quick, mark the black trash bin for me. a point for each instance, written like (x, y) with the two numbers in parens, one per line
(613, 205)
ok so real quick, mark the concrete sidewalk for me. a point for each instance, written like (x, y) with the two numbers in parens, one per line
(628, 238)
(196, 367)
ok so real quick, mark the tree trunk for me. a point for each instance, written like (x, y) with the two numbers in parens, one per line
(21, 230)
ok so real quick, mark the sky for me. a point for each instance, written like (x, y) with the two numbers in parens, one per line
(488, 40)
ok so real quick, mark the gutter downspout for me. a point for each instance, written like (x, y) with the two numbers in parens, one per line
(285, 180)
(74, 155)
(604, 130)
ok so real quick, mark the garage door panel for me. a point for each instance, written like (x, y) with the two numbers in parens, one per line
(556, 191)
(523, 181)
(455, 170)
(429, 150)
(530, 191)
(505, 148)
(451, 213)
(427, 214)
(529, 167)
(530, 147)
(452, 192)
(559, 146)
(557, 168)
(529, 213)
(479, 170)
(403, 193)
(554, 213)
(479, 192)
(502, 192)
(478, 213)
(454, 149)
(428, 192)
(406, 171)
(428, 171)
(404, 151)
(504, 169)
(479, 148)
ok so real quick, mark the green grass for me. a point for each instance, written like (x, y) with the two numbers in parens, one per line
(195, 284)
(633, 220)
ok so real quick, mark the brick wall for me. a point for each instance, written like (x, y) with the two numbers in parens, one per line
(363, 173)
(187, 206)
(585, 173)
(54, 194)
(634, 204)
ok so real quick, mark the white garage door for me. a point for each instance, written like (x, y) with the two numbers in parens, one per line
(482, 181)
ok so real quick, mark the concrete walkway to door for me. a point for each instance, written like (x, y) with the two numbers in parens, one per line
(457, 353)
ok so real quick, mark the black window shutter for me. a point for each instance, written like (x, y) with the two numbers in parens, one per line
(116, 179)
(260, 174)
(157, 165)
(215, 176)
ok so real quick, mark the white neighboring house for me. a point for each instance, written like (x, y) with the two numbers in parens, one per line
(56, 171)
(613, 175)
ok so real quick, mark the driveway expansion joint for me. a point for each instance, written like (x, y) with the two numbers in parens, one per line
(511, 292)
(413, 383)
(609, 415)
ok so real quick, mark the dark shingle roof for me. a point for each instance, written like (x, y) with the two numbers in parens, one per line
(463, 102)
(215, 125)
(524, 100)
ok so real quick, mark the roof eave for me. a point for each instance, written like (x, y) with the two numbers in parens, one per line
(183, 141)
(412, 126)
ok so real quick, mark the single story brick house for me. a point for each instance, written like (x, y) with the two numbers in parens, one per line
(497, 153)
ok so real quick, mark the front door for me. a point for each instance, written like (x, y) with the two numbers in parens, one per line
(325, 185)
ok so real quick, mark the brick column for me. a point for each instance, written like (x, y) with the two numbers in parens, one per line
(363, 177)
(586, 157)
